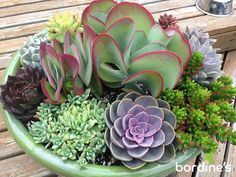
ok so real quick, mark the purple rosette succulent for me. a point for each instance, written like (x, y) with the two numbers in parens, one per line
(140, 130)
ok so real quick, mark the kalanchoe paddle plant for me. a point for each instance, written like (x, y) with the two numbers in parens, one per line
(60, 23)
(140, 130)
(211, 61)
(21, 94)
(80, 47)
(61, 72)
(133, 50)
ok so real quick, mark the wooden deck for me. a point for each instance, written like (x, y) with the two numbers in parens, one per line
(22, 18)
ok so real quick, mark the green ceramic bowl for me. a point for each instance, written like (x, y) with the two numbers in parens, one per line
(70, 168)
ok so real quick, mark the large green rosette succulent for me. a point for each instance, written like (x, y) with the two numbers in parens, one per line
(140, 130)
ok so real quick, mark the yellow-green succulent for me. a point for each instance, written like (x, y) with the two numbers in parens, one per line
(63, 22)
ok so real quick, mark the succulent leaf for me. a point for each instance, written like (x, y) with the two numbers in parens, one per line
(107, 53)
(140, 40)
(179, 45)
(122, 31)
(166, 63)
(152, 79)
(142, 18)
(96, 13)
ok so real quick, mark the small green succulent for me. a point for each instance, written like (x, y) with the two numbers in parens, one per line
(73, 130)
(63, 22)
(201, 113)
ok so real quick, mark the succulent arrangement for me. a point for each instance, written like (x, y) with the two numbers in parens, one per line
(113, 87)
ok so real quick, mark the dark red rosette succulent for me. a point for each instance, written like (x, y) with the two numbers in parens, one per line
(168, 21)
(22, 93)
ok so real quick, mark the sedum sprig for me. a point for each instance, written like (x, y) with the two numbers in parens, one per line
(202, 113)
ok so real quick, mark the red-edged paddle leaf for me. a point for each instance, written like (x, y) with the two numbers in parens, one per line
(140, 40)
(148, 48)
(96, 85)
(122, 31)
(179, 45)
(57, 46)
(89, 35)
(49, 92)
(79, 44)
(72, 66)
(66, 44)
(158, 35)
(108, 59)
(98, 9)
(75, 52)
(44, 63)
(58, 90)
(168, 64)
(142, 18)
(97, 25)
(152, 80)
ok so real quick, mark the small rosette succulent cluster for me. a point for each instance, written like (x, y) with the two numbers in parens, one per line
(29, 54)
(60, 23)
(211, 62)
(21, 94)
(140, 130)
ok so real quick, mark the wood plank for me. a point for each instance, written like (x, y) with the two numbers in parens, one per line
(159, 6)
(7, 3)
(8, 146)
(11, 45)
(43, 16)
(2, 125)
(23, 30)
(36, 16)
(231, 161)
(214, 25)
(187, 174)
(23, 166)
(4, 60)
(226, 41)
(230, 65)
(41, 6)
(181, 14)
(218, 159)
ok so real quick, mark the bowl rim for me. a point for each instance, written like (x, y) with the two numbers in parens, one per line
(71, 168)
